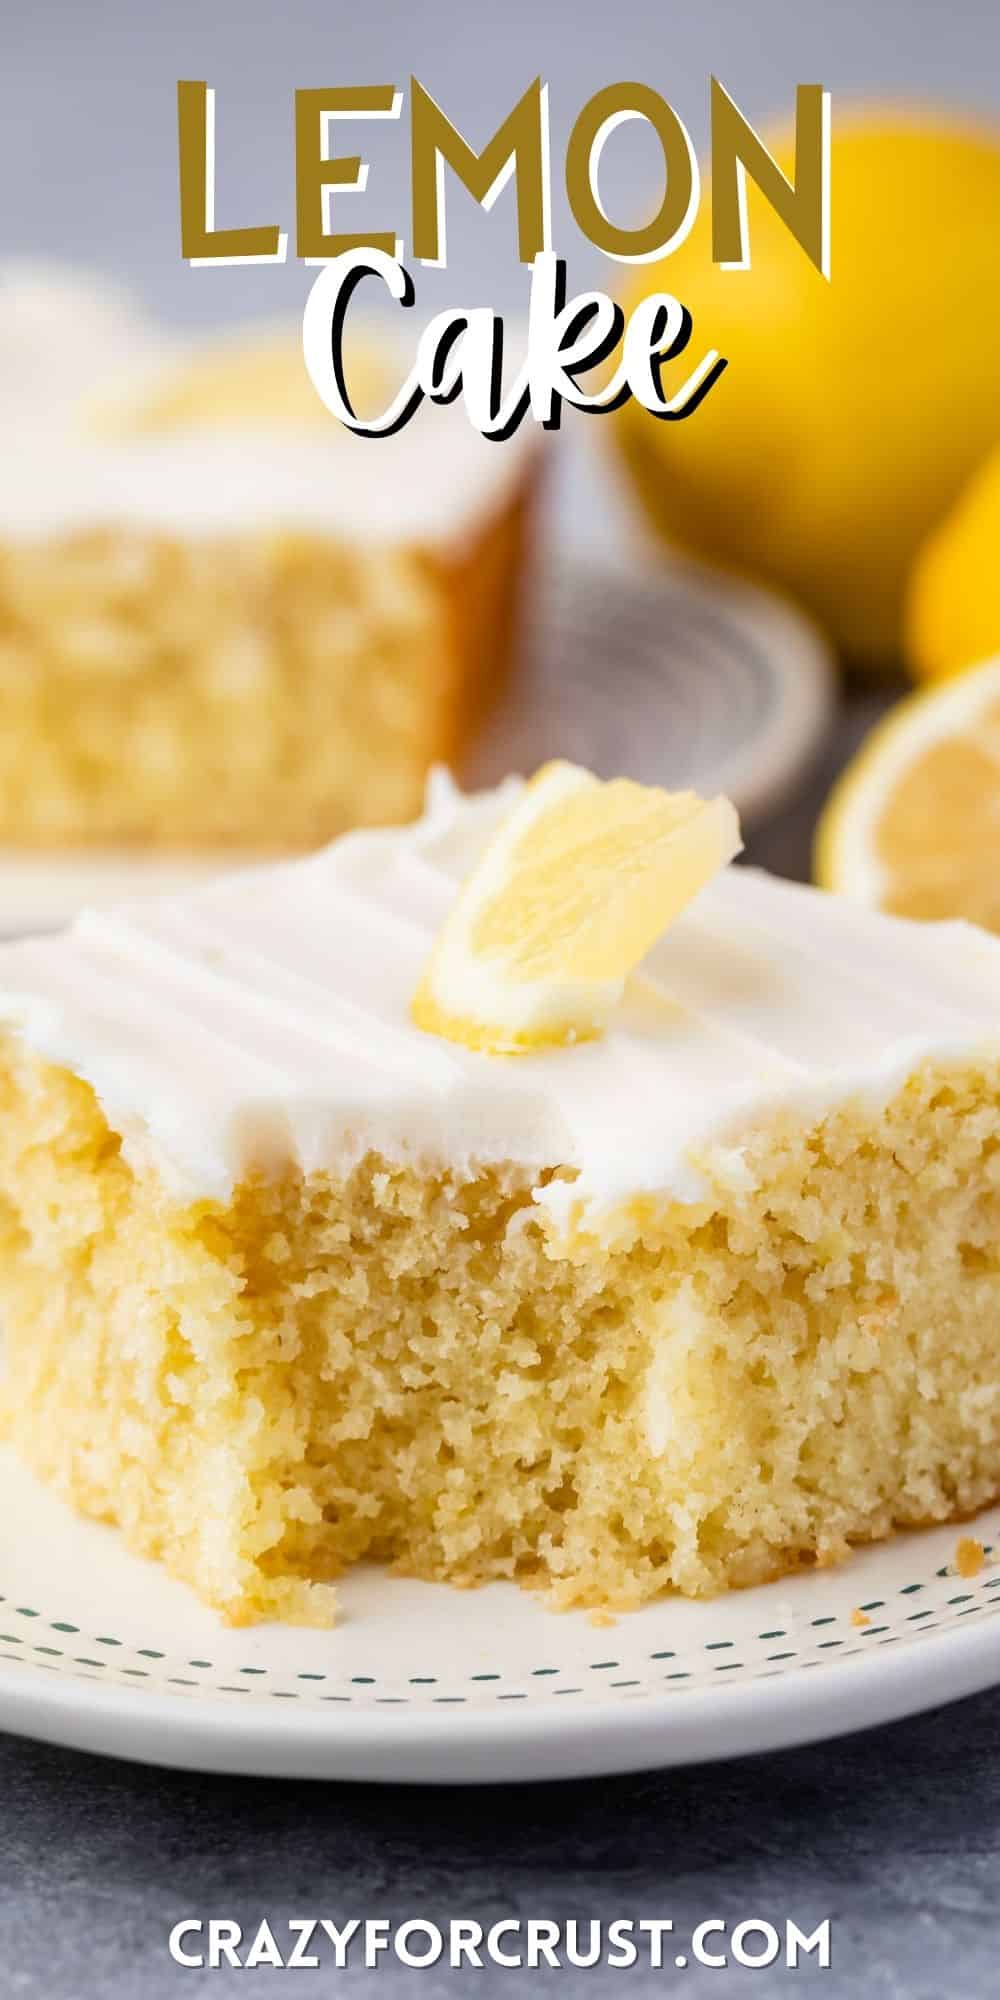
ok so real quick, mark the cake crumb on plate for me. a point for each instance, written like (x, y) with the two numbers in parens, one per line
(969, 1555)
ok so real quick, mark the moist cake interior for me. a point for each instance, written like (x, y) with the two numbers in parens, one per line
(411, 1365)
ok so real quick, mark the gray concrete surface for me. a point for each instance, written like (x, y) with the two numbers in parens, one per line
(894, 1834)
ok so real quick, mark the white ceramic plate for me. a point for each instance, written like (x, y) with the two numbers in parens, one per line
(674, 675)
(419, 1682)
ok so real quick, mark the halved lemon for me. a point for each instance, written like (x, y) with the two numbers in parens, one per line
(570, 894)
(913, 826)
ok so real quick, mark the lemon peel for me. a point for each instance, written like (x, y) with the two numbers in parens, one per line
(572, 891)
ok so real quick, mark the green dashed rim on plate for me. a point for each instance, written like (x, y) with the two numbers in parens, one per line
(78, 1654)
(103, 1651)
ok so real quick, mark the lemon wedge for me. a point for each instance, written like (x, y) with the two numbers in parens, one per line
(570, 894)
(913, 826)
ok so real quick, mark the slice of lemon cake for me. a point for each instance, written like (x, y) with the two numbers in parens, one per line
(703, 1296)
(225, 620)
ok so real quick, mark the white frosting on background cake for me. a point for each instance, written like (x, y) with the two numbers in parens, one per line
(69, 347)
(264, 1017)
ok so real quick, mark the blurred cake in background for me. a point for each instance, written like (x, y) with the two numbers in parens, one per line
(224, 620)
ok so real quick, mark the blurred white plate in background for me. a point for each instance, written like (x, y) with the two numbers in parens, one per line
(674, 675)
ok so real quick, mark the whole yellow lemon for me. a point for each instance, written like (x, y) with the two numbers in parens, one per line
(852, 411)
(953, 597)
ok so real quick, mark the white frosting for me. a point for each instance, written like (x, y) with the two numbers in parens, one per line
(264, 1017)
(65, 343)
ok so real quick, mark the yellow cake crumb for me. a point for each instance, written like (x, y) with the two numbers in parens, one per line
(969, 1556)
(859, 1617)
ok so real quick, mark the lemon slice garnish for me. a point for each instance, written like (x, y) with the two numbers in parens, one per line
(913, 826)
(570, 894)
